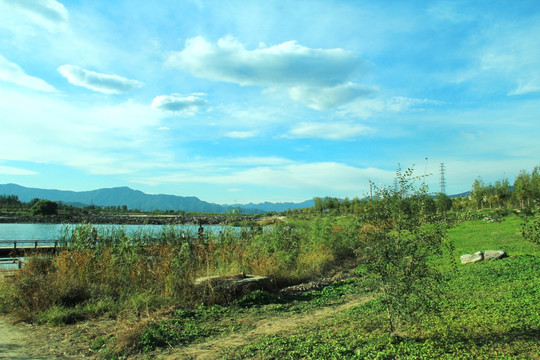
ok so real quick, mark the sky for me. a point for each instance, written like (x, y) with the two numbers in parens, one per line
(244, 101)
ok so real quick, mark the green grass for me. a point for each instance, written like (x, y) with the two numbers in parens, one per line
(489, 310)
(185, 327)
(480, 235)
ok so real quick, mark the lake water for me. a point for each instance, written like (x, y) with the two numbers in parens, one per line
(53, 231)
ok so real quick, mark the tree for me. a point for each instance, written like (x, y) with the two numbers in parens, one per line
(10, 201)
(318, 204)
(443, 202)
(478, 193)
(399, 234)
(523, 188)
(44, 207)
(503, 192)
(535, 185)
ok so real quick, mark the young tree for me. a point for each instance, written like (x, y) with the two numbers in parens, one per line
(523, 188)
(503, 192)
(319, 207)
(401, 232)
(478, 193)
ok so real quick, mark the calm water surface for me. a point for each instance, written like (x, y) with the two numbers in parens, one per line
(53, 231)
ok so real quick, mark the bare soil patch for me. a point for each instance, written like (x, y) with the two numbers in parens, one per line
(19, 342)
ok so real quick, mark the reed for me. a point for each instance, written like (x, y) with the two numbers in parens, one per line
(147, 270)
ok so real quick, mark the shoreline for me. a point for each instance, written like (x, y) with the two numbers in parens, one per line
(139, 219)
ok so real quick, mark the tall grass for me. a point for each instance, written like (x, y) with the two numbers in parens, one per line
(103, 270)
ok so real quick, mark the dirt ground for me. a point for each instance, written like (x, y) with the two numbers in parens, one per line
(211, 349)
(18, 342)
(23, 341)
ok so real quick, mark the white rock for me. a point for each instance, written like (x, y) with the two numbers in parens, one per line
(471, 258)
(494, 254)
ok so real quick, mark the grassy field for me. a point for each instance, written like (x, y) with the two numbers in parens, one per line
(488, 310)
(491, 311)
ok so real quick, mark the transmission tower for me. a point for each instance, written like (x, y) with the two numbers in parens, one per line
(443, 180)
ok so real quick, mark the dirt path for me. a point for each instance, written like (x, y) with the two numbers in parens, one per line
(16, 343)
(212, 348)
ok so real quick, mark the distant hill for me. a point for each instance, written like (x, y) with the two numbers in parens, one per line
(135, 199)
(466, 193)
(277, 207)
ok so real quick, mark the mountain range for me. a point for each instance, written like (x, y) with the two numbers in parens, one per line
(135, 199)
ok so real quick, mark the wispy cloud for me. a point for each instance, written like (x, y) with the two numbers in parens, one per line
(365, 108)
(13, 73)
(8, 170)
(331, 176)
(329, 131)
(180, 104)
(240, 134)
(104, 83)
(325, 98)
(101, 139)
(526, 86)
(507, 55)
(50, 14)
(318, 78)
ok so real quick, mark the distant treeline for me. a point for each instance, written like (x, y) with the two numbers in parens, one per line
(12, 205)
(522, 193)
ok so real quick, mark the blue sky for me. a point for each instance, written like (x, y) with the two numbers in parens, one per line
(250, 101)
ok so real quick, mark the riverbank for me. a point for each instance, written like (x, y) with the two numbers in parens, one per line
(130, 219)
(486, 310)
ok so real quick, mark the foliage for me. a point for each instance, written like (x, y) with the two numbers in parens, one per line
(44, 207)
(531, 230)
(490, 310)
(397, 243)
(98, 263)
(9, 201)
(443, 203)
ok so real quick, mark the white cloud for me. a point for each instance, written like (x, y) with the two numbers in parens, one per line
(364, 108)
(324, 98)
(108, 84)
(13, 73)
(282, 173)
(101, 139)
(511, 56)
(329, 177)
(240, 134)
(525, 87)
(450, 12)
(257, 160)
(178, 103)
(330, 131)
(8, 170)
(49, 14)
(318, 78)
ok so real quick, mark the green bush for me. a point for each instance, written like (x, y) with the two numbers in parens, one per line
(44, 207)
